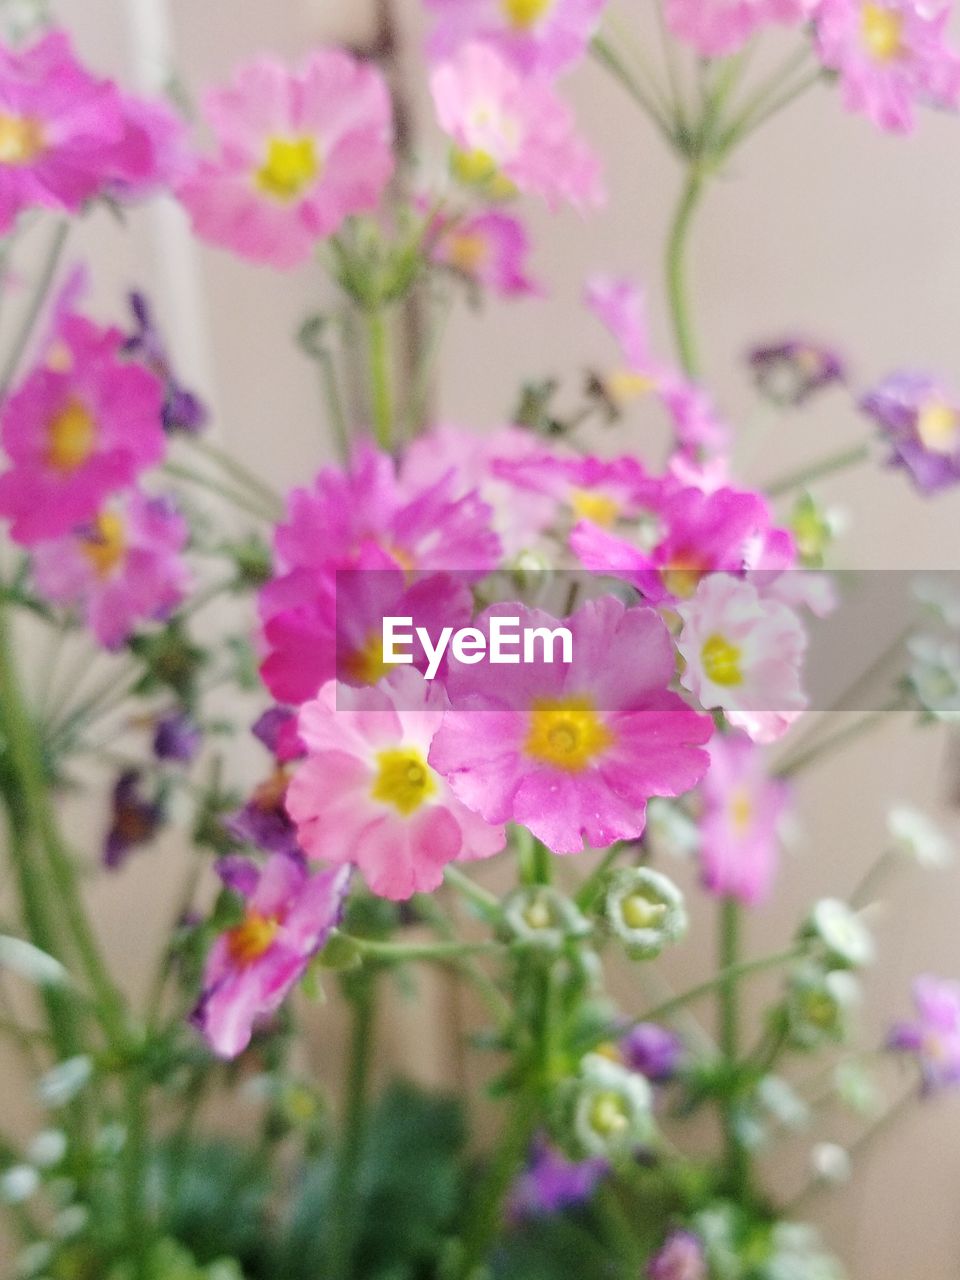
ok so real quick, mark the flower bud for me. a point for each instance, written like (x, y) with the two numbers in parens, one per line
(609, 1109)
(541, 917)
(645, 910)
(819, 1006)
(842, 933)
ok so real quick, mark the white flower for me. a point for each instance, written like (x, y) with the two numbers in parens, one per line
(28, 961)
(18, 1183)
(842, 932)
(63, 1082)
(938, 593)
(743, 654)
(670, 830)
(935, 676)
(917, 836)
(830, 1163)
(48, 1148)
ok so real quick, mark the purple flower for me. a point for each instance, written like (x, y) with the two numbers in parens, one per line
(920, 418)
(182, 410)
(790, 372)
(934, 1037)
(177, 737)
(551, 1182)
(277, 730)
(135, 820)
(263, 820)
(652, 1051)
(681, 1258)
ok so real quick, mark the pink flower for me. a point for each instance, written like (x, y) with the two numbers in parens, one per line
(743, 653)
(318, 626)
(584, 487)
(253, 967)
(299, 152)
(573, 750)
(934, 1038)
(122, 569)
(535, 35)
(367, 795)
(154, 152)
(512, 131)
(621, 307)
(696, 532)
(79, 428)
(473, 463)
(743, 811)
(489, 249)
(718, 27)
(60, 128)
(890, 54)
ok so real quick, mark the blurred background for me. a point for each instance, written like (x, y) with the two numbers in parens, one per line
(822, 227)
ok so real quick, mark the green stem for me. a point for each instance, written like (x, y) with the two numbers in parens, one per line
(605, 54)
(37, 300)
(828, 466)
(345, 1216)
(381, 398)
(238, 472)
(677, 269)
(334, 402)
(802, 759)
(246, 503)
(737, 1159)
(398, 952)
(487, 903)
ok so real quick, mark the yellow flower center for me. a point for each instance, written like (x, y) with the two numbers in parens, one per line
(523, 14)
(21, 139)
(366, 665)
(741, 811)
(624, 385)
(477, 168)
(937, 427)
(106, 545)
(404, 780)
(566, 733)
(721, 661)
(71, 437)
(252, 939)
(467, 252)
(291, 166)
(682, 577)
(598, 508)
(882, 32)
(608, 1115)
(640, 913)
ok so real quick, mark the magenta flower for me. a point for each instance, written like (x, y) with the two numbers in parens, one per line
(62, 130)
(154, 150)
(716, 28)
(573, 751)
(652, 1051)
(122, 569)
(252, 968)
(743, 653)
(79, 428)
(890, 54)
(299, 152)
(535, 35)
(934, 1037)
(367, 795)
(794, 370)
(488, 249)
(583, 487)
(621, 307)
(920, 417)
(552, 1182)
(683, 1257)
(512, 131)
(743, 811)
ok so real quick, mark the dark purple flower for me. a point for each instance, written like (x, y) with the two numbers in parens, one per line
(934, 1037)
(135, 820)
(277, 730)
(652, 1051)
(790, 372)
(182, 410)
(552, 1182)
(920, 418)
(681, 1258)
(177, 737)
(263, 820)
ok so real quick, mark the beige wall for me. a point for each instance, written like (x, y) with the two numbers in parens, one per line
(820, 224)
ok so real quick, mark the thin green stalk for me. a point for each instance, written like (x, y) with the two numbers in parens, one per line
(246, 503)
(874, 876)
(828, 466)
(400, 952)
(487, 903)
(802, 759)
(334, 402)
(237, 472)
(37, 300)
(609, 58)
(737, 1159)
(345, 1215)
(677, 269)
(381, 395)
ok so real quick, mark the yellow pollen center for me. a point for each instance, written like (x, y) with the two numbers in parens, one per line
(721, 661)
(682, 577)
(21, 139)
(106, 544)
(403, 780)
(71, 437)
(366, 665)
(467, 252)
(882, 32)
(291, 166)
(608, 1115)
(523, 14)
(566, 733)
(937, 427)
(624, 385)
(640, 913)
(252, 939)
(598, 508)
(478, 168)
(741, 811)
